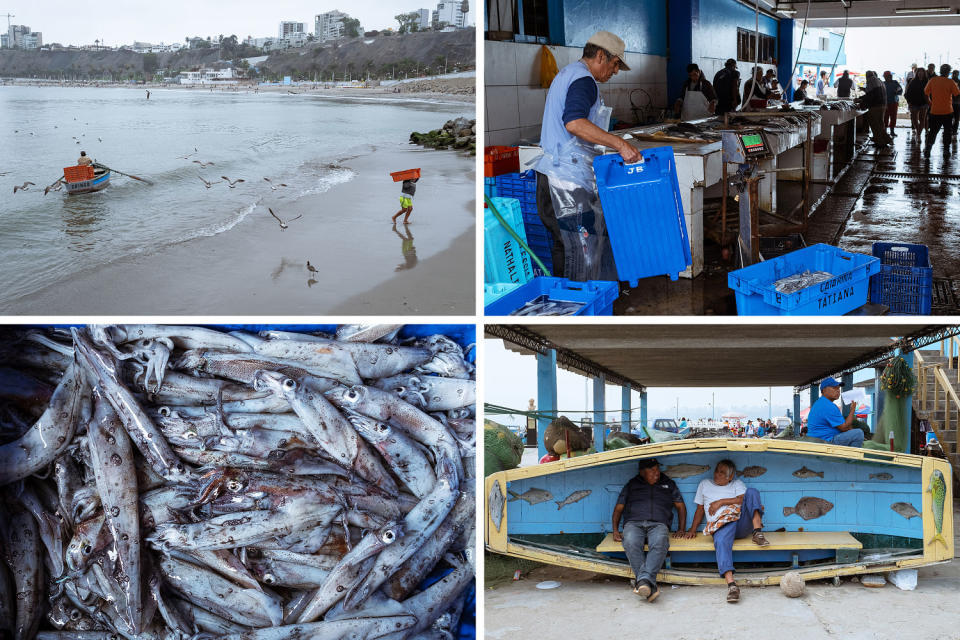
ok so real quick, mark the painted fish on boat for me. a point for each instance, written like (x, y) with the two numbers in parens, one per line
(905, 509)
(803, 472)
(938, 493)
(686, 470)
(496, 503)
(881, 476)
(809, 508)
(752, 472)
(576, 496)
(531, 496)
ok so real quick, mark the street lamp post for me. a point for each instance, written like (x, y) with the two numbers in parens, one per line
(678, 407)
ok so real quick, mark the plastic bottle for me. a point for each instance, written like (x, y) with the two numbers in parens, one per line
(892, 438)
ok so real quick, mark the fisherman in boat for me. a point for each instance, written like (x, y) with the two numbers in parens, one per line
(84, 160)
(827, 423)
(733, 511)
(646, 505)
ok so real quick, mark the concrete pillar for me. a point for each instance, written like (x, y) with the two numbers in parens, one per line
(599, 411)
(786, 53)
(796, 415)
(625, 413)
(908, 415)
(546, 395)
(682, 16)
(643, 410)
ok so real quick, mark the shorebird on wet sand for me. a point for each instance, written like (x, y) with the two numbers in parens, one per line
(187, 157)
(208, 184)
(23, 187)
(233, 183)
(273, 186)
(203, 164)
(283, 225)
(312, 269)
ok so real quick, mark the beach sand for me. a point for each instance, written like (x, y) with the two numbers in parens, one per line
(365, 266)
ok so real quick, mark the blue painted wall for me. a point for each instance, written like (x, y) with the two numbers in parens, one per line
(641, 23)
(785, 56)
(715, 31)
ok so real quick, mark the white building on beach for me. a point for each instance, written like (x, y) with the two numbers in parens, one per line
(208, 77)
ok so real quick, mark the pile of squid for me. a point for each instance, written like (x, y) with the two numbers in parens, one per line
(175, 482)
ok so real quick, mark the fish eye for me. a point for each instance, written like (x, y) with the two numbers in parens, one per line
(164, 411)
(234, 485)
(352, 395)
(87, 550)
(382, 427)
(74, 615)
(269, 579)
(399, 390)
(289, 384)
(388, 536)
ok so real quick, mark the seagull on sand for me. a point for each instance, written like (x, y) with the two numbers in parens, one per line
(233, 183)
(23, 187)
(208, 184)
(202, 164)
(274, 187)
(312, 269)
(283, 225)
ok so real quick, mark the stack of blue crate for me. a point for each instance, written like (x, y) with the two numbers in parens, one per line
(523, 187)
(489, 188)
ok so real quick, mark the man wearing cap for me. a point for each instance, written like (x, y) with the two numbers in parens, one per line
(827, 423)
(726, 86)
(575, 119)
(646, 505)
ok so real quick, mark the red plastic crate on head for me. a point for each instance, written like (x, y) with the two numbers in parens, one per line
(499, 160)
(408, 174)
(78, 173)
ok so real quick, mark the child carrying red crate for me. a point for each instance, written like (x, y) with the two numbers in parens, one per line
(410, 178)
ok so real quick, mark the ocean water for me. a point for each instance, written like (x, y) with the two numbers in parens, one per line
(299, 140)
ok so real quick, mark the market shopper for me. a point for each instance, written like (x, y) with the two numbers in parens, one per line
(646, 505)
(844, 85)
(733, 511)
(955, 76)
(697, 97)
(940, 92)
(726, 86)
(822, 84)
(827, 423)
(874, 100)
(574, 120)
(894, 91)
(917, 103)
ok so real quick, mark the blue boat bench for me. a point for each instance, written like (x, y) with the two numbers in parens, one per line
(847, 547)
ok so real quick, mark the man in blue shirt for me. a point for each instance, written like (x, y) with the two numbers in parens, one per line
(827, 423)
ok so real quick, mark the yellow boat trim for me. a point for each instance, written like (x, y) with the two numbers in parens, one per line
(779, 541)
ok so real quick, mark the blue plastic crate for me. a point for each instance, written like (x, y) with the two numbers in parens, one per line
(597, 296)
(503, 259)
(905, 281)
(493, 291)
(489, 188)
(847, 290)
(644, 214)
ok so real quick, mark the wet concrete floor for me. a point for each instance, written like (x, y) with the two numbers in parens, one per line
(908, 197)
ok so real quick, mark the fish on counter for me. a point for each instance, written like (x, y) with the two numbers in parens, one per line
(803, 472)
(809, 508)
(576, 496)
(179, 483)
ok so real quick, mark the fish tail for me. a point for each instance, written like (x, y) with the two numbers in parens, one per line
(938, 538)
(559, 504)
(819, 474)
(789, 511)
(516, 496)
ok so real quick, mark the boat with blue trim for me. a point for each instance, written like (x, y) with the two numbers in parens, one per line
(85, 179)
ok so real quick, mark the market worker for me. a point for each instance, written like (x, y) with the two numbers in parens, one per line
(574, 120)
(726, 86)
(874, 100)
(733, 511)
(697, 98)
(755, 92)
(827, 423)
(646, 505)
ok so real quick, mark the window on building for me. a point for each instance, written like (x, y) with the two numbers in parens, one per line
(746, 47)
(518, 20)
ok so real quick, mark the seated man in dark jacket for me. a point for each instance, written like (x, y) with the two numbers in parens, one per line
(646, 504)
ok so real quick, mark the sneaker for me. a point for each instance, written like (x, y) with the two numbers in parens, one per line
(642, 590)
(760, 540)
(653, 596)
(733, 592)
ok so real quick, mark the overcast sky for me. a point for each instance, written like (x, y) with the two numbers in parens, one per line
(894, 48)
(511, 380)
(72, 22)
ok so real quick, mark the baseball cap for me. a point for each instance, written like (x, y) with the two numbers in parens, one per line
(612, 43)
(648, 463)
(829, 382)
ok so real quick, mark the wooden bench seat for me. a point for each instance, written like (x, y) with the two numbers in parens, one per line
(779, 541)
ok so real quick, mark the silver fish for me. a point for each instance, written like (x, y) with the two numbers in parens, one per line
(803, 472)
(576, 496)
(532, 496)
(809, 508)
(905, 509)
(686, 470)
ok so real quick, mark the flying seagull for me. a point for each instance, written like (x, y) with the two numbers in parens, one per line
(274, 187)
(23, 187)
(202, 164)
(54, 187)
(208, 184)
(233, 183)
(186, 157)
(283, 225)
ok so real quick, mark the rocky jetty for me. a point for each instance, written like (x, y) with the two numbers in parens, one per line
(455, 134)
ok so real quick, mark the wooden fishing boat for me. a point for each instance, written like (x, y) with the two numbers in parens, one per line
(85, 179)
(877, 511)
